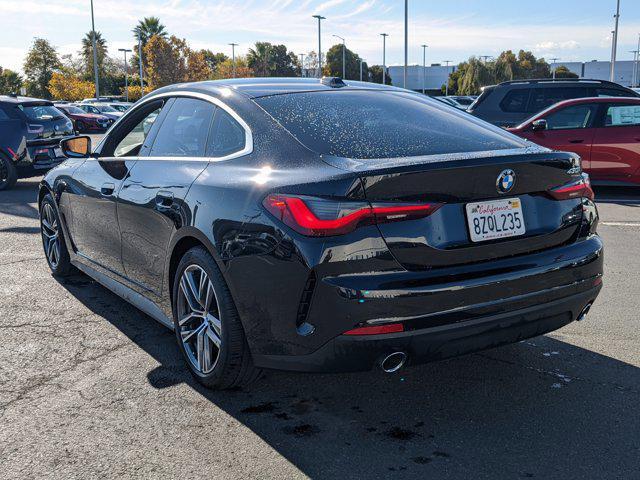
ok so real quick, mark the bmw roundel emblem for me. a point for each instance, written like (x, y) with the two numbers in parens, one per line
(506, 180)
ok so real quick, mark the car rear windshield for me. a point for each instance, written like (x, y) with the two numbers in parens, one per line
(41, 112)
(369, 124)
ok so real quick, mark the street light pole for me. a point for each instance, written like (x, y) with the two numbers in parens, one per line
(320, 18)
(406, 42)
(384, 57)
(344, 69)
(614, 48)
(140, 61)
(233, 57)
(633, 70)
(361, 68)
(126, 72)
(446, 85)
(555, 59)
(637, 65)
(301, 64)
(424, 67)
(95, 53)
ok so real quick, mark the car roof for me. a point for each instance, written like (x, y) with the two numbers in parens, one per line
(260, 86)
(576, 101)
(22, 100)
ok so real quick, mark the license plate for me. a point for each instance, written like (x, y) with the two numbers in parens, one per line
(495, 219)
(57, 152)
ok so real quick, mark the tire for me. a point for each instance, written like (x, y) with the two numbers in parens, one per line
(55, 248)
(217, 333)
(8, 173)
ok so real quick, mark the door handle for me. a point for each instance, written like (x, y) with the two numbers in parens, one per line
(576, 140)
(164, 198)
(107, 189)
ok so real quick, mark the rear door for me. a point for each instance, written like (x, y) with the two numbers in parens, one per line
(569, 129)
(151, 202)
(616, 146)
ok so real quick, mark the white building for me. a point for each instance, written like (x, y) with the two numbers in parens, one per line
(436, 75)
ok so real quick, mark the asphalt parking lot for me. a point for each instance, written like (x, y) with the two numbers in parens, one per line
(93, 388)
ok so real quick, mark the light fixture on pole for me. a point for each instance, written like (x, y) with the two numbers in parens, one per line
(554, 59)
(126, 72)
(320, 18)
(446, 85)
(344, 68)
(95, 54)
(233, 57)
(614, 42)
(424, 67)
(406, 43)
(384, 57)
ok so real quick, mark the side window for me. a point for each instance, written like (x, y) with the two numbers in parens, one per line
(610, 92)
(130, 145)
(227, 136)
(576, 116)
(515, 101)
(542, 98)
(622, 115)
(185, 129)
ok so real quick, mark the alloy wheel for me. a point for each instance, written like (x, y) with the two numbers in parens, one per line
(200, 329)
(50, 235)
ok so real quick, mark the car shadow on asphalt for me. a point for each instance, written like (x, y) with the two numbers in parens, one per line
(18, 200)
(625, 196)
(541, 408)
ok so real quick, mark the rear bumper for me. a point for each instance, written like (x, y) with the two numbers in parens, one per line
(445, 312)
(358, 353)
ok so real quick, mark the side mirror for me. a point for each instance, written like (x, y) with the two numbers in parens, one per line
(76, 147)
(539, 125)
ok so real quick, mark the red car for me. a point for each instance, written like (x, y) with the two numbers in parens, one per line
(604, 131)
(83, 121)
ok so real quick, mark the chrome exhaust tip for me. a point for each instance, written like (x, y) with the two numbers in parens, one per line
(583, 313)
(393, 362)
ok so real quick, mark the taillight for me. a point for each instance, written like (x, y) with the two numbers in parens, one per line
(377, 329)
(581, 188)
(318, 217)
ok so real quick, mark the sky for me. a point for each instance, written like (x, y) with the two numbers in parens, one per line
(572, 30)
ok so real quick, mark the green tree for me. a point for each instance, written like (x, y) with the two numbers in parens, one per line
(39, 65)
(267, 60)
(10, 82)
(333, 63)
(147, 28)
(86, 54)
(564, 72)
(213, 59)
(375, 74)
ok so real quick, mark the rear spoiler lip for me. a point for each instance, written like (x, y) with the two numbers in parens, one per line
(448, 160)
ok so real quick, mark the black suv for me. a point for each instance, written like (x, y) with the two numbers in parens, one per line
(510, 103)
(30, 133)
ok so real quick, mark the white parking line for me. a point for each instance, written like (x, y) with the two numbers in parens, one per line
(621, 224)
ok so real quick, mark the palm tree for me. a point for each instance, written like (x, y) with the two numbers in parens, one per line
(260, 59)
(86, 52)
(147, 28)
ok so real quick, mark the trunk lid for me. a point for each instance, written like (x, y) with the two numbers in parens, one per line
(443, 238)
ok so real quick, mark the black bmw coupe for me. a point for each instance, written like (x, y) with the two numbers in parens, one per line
(323, 225)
